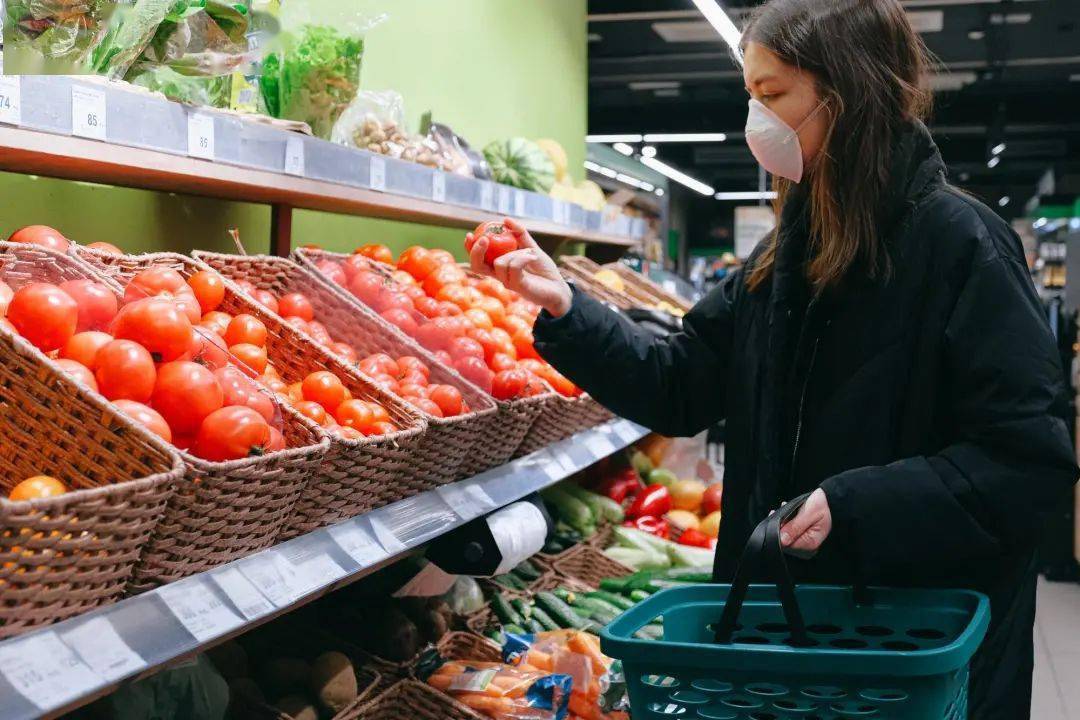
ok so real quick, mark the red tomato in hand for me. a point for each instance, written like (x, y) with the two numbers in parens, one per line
(185, 393)
(158, 325)
(83, 347)
(238, 389)
(78, 371)
(41, 235)
(43, 314)
(246, 328)
(124, 369)
(97, 303)
(209, 289)
(500, 240)
(296, 305)
(232, 433)
(324, 388)
(447, 397)
(146, 416)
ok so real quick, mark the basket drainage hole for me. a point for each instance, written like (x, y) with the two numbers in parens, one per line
(824, 692)
(824, 629)
(878, 695)
(873, 630)
(666, 709)
(899, 645)
(800, 706)
(763, 716)
(708, 685)
(926, 634)
(848, 643)
(808, 642)
(744, 703)
(766, 689)
(752, 640)
(772, 628)
(712, 627)
(854, 709)
(660, 681)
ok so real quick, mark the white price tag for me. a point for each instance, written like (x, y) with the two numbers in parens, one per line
(312, 573)
(626, 431)
(378, 173)
(269, 573)
(505, 199)
(387, 539)
(294, 156)
(438, 186)
(554, 470)
(599, 445)
(45, 671)
(243, 594)
(200, 136)
(10, 100)
(88, 112)
(560, 212)
(101, 647)
(467, 501)
(360, 546)
(487, 195)
(199, 610)
(519, 203)
(669, 285)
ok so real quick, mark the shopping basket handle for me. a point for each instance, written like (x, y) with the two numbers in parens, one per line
(764, 545)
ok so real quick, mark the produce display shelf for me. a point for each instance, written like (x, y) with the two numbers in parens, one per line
(64, 666)
(78, 129)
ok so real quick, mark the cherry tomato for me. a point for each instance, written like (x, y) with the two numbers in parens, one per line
(78, 371)
(146, 416)
(43, 314)
(185, 393)
(464, 347)
(216, 321)
(500, 240)
(6, 294)
(124, 369)
(345, 350)
(509, 384)
(356, 414)
(165, 283)
(158, 325)
(245, 328)
(253, 356)
(41, 235)
(36, 488)
(333, 271)
(403, 279)
(501, 362)
(313, 411)
(232, 433)
(367, 287)
(380, 364)
(97, 303)
(401, 319)
(209, 289)
(296, 305)
(324, 388)
(378, 253)
(266, 299)
(447, 397)
(104, 247)
(83, 347)
(426, 405)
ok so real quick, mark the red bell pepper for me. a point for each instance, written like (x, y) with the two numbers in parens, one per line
(695, 538)
(653, 501)
(657, 526)
(621, 486)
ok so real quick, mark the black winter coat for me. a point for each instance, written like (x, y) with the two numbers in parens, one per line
(929, 406)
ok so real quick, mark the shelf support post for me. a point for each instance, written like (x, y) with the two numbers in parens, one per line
(280, 230)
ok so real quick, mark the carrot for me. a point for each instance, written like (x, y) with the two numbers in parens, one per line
(584, 708)
(539, 659)
(582, 644)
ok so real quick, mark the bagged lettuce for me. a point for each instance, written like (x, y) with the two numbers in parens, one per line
(52, 36)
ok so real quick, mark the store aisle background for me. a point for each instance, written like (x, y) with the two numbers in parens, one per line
(1056, 693)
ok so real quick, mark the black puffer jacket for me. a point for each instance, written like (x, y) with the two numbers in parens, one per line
(928, 407)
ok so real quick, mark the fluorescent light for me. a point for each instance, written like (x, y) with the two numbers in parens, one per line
(767, 195)
(723, 25)
(976, 35)
(655, 85)
(1004, 201)
(997, 149)
(595, 37)
(623, 148)
(1074, 224)
(606, 139)
(993, 162)
(677, 175)
(621, 177)
(648, 151)
(684, 137)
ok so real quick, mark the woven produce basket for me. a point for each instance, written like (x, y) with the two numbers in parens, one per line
(639, 285)
(505, 430)
(63, 556)
(596, 290)
(466, 646)
(589, 565)
(413, 700)
(448, 442)
(562, 418)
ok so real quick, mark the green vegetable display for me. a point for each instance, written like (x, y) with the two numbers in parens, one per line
(603, 508)
(520, 163)
(59, 33)
(570, 510)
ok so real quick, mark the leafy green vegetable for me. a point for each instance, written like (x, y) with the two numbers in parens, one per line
(521, 163)
(64, 30)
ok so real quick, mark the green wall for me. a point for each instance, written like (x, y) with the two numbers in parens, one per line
(488, 68)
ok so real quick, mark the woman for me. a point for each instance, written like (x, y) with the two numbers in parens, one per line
(884, 348)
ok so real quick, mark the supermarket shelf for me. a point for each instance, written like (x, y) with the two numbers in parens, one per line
(150, 143)
(72, 663)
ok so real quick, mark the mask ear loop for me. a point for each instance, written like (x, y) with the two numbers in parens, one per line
(812, 115)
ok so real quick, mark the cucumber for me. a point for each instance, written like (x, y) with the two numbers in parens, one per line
(496, 635)
(617, 600)
(616, 585)
(639, 595)
(533, 625)
(524, 609)
(604, 509)
(565, 595)
(544, 619)
(570, 509)
(559, 611)
(514, 629)
(527, 571)
(650, 632)
(596, 604)
(553, 547)
(603, 618)
(502, 609)
(510, 582)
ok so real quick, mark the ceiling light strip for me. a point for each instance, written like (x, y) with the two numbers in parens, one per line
(677, 175)
(723, 25)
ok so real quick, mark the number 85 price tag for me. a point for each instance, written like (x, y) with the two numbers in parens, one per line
(88, 112)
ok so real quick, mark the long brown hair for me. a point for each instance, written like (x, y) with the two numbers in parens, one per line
(869, 65)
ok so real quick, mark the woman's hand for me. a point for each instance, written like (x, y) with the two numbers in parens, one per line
(527, 271)
(811, 525)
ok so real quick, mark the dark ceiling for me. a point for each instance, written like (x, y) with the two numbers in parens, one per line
(1010, 70)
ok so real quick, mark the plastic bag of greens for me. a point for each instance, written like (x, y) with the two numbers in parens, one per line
(130, 30)
(211, 91)
(53, 35)
(201, 38)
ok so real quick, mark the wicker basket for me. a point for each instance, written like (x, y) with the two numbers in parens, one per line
(467, 646)
(597, 290)
(412, 700)
(589, 565)
(639, 285)
(562, 418)
(63, 556)
(505, 430)
(448, 442)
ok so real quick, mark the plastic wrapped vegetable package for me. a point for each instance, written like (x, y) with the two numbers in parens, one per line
(54, 31)
(503, 692)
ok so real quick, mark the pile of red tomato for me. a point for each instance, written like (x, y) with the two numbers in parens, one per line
(475, 325)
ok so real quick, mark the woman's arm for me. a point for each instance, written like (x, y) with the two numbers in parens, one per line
(673, 385)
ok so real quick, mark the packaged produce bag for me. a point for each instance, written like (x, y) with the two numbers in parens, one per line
(53, 36)
(504, 692)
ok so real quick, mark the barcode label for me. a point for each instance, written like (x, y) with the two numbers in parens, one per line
(467, 501)
(103, 650)
(360, 546)
(199, 610)
(386, 538)
(247, 598)
(45, 671)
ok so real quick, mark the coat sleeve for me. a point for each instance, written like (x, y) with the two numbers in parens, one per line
(1010, 460)
(673, 385)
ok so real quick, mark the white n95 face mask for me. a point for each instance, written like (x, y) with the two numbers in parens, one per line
(774, 143)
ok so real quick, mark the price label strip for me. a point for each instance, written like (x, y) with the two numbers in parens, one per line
(243, 594)
(487, 195)
(201, 136)
(519, 204)
(599, 445)
(294, 156)
(198, 608)
(386, 538)
(438, 186)
(626, 431)
(504, 200)
(313, 572)
(88, 112)
(267, 572)
(358, 544)
(468, 501)
(101, 648)
(377, 179)
(45, 671)
(10, 99)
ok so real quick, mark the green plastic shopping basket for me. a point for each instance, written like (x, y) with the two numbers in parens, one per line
(745, 652)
